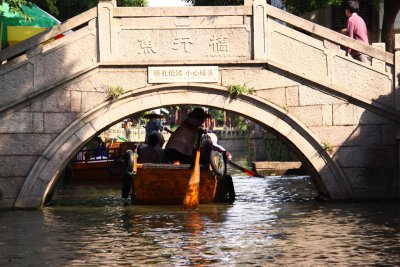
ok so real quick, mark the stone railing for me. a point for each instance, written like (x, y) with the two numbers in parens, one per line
(74, 23)
(329, 35)
(282, 16)
(130, 134)
(224, 133)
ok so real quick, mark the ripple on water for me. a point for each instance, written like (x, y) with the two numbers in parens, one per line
(275, 221)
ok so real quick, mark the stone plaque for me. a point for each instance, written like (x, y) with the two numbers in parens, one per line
(195, 74)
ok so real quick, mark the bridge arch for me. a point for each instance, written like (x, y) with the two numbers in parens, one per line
(324, 170)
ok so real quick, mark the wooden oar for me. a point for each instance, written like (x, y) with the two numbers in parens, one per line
(244, 170)
(191, 199)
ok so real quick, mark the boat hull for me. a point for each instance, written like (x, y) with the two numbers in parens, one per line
(166, 185)
(94, 172)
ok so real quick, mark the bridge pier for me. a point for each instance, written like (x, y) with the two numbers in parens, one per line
(396, 84)
(396, 88)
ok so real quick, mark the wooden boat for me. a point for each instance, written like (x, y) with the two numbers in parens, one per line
(160, 184)
(92, 170)
(167, 184)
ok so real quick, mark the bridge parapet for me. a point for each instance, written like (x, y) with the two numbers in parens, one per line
(37, 65)
(184, 35)
(259, 34)
(323, 61)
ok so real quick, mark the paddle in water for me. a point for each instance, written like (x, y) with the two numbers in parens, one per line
(244, 170)
(191, 199)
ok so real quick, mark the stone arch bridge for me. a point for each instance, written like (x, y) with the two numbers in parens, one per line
(340, 116)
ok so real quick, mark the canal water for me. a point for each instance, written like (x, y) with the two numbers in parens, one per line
(275, 221)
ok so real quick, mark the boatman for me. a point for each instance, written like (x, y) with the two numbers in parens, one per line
(209, 142)
(179, 147)
(154, 123)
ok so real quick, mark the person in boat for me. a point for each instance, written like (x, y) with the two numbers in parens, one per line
(99, 151)
(206, 146)
(154, 124)
(152, 152)
(209, 143)
(161, 140)
(179, 147)
(218, 147)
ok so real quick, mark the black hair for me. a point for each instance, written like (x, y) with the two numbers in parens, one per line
(352, 6)
(98, 140)
(152, 139)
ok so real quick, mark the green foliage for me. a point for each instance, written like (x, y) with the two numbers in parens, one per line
(49, 6)
(65, 9)
(276, 149)
(251, 151)
(235, 90)
(240, 122)
(301, 6)
(71, 8)
(141, 3)
(15, 7)
(115, 91)
(327, 147)
(295, 6)
(215, 2)
(217, 114)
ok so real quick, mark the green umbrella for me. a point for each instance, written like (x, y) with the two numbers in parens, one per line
(14, 28)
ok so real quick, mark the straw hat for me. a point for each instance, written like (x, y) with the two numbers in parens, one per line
(152, 115)
(199, 113)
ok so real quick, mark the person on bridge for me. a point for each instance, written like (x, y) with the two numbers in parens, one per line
(356, 29)
(179, 147)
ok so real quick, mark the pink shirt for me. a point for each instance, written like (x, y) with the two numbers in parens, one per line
(357, 30)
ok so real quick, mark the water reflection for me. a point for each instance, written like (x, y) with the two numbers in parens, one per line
(274, 222)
